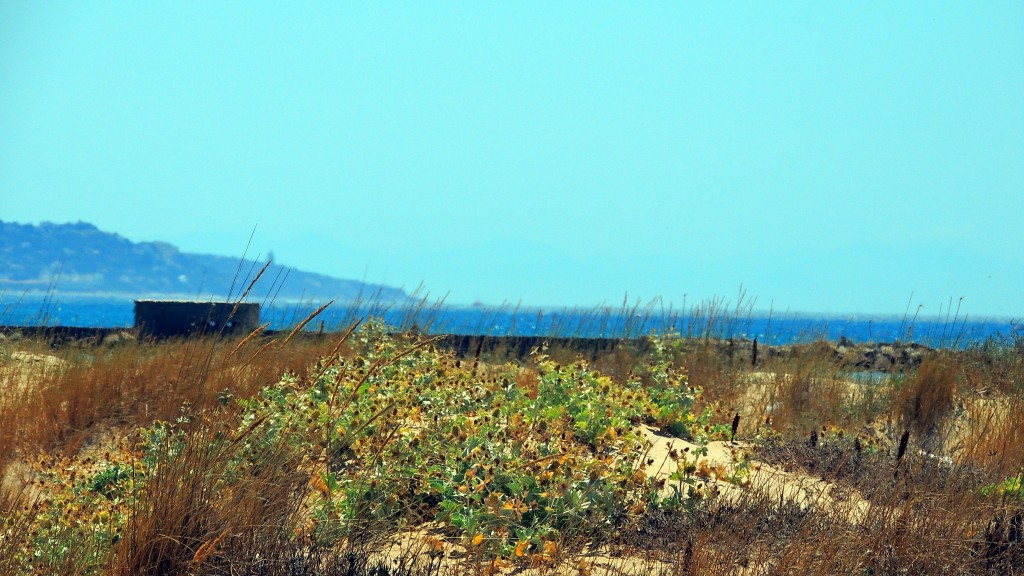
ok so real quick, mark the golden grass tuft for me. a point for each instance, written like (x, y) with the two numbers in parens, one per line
(926, 398)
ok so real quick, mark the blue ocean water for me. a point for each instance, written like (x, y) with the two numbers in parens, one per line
(581, 322)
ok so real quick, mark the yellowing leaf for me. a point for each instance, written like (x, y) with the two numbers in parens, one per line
(494, 567)
(434, 544)
(317, 482)
(478, 539)
(522, 547)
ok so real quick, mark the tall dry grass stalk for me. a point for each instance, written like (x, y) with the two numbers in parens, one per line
(991, 435)
(17, 510)
(926, 398)
(134, 384)
(198, 514)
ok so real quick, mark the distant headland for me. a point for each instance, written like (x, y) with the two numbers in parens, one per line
(83, 261)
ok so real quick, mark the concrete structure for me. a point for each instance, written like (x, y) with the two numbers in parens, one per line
(166, 318)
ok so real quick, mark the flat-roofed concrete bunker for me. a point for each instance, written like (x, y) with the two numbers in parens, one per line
(167, 318)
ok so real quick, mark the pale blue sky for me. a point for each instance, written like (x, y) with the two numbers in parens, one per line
(829, 157)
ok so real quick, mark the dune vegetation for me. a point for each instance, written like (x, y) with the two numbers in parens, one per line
(370, 452)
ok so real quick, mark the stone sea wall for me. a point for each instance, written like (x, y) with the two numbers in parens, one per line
(878, 357)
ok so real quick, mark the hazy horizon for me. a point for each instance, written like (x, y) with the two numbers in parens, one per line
(830, 159)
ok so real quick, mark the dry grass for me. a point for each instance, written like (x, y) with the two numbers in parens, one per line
(189, 519)
(925, 400)
(924, 514)
(134, 384)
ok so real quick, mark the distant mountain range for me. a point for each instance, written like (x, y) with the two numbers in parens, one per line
(80, 259)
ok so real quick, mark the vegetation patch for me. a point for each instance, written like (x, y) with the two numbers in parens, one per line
(370, 453)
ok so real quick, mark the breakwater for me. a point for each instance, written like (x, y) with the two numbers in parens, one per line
(877, 357)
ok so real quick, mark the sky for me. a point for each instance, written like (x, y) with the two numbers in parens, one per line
(834, 157)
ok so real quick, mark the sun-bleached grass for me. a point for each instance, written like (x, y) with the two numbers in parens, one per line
(133, 384)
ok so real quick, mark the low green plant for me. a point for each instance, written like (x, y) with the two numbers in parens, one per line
(111, 480)
(403, 437)
(78, 523)
(1012, 487)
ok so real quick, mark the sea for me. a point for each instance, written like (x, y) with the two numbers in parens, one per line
(953, 330)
